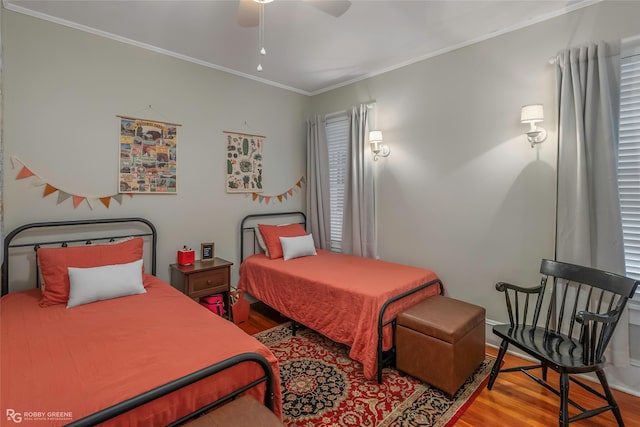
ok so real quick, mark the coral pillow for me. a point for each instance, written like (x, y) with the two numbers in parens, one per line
(272, 233)
(54, 264)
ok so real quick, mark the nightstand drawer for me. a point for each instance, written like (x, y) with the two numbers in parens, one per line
(209, 282)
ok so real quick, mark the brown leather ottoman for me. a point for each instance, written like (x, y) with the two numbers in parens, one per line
(242, 412)
(441, 341)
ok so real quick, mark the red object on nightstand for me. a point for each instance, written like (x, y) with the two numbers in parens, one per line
(186, 257)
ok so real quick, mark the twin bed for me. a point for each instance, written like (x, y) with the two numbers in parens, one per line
(351, 300)
(152, 358)
(156, 357)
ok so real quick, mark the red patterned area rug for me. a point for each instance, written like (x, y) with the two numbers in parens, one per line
(322, 386)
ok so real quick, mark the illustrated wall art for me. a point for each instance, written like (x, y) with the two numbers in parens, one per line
(147, 156)
(244, 162)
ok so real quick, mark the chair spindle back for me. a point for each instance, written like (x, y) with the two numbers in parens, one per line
(583, 303)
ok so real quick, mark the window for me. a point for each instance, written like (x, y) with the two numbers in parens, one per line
(338, 143)
(629, 157)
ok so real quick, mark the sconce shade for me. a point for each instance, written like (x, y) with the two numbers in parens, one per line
(375, 136)
(532, 114)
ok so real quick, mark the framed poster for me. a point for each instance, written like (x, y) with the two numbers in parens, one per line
(244, 162)
(207, 251)
(147, 156)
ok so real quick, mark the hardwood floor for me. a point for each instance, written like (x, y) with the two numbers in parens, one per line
(515, 399)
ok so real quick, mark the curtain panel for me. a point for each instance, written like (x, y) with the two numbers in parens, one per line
(317, 199)
(588, 221)
(359, 221)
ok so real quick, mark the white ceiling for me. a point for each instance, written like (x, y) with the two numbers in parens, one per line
(308, 51)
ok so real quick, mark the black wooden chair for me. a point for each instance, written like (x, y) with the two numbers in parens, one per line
(567, 329)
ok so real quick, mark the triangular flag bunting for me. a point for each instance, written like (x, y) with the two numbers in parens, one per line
(77, 200)
(285, 195)
(62, 196)
(49, 189)
(24, 173)
(37, 181)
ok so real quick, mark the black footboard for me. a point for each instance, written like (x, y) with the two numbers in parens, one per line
(150, 395)
(388, 358)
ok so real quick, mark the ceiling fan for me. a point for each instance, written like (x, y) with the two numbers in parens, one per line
(249, 10)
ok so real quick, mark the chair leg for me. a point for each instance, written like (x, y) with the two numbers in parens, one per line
(564, 399)
(610, 398)
(544, 373)
(495, 370)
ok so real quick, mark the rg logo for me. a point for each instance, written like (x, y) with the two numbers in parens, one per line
(14, 416)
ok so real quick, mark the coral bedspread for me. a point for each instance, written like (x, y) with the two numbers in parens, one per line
(78, 361)
(338, 295)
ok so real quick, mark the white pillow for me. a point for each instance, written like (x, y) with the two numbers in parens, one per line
(106, 282)
(296, 247)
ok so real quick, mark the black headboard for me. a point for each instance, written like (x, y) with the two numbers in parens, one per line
(44, 234)
(250, 222)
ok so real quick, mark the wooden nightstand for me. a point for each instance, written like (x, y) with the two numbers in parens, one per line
(204, 278)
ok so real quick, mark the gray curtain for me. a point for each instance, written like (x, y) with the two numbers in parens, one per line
(318, 210)
(359, 222)
(589, 226)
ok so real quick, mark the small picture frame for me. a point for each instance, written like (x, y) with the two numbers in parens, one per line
(207, 251)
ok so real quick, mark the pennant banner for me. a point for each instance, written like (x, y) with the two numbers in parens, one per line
(24, 173)
(37, 181)
(289, 193)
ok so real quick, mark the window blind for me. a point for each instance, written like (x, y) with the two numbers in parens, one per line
(629, 160)
(337, 142)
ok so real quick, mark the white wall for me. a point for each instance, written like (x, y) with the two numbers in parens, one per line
(62, 91)
(462, 192)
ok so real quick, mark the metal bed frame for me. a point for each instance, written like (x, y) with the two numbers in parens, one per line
(89, 239)
(385, 358)
(149, 231)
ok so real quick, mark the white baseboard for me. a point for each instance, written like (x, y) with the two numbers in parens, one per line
(492, 340)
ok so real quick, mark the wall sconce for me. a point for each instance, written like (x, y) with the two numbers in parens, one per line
(377, 147)
(533, 114)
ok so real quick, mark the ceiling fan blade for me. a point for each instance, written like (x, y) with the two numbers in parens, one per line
(248, 13)
(332, 7)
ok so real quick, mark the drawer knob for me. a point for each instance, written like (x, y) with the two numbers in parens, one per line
(208, 282)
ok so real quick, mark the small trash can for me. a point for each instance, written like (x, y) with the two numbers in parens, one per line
(240, 308)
